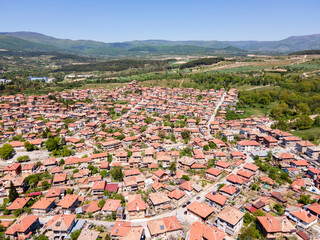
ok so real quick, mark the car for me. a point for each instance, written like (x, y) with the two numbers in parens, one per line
(184, 205)
(198, 198)
(188, 202)
(185, 212)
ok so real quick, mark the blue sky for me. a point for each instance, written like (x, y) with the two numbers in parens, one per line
(120, 20)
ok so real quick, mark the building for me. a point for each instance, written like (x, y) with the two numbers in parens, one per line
(165, 227)
(60, 226)
(230, 220)
(24, 227)
(275, 227)
(200, 211)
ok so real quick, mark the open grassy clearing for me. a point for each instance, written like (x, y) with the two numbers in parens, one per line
(309, 134)
(259, 110)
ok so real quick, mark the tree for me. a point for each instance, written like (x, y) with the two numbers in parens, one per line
(186, 177)
(28, 146)
(279, 208)
(303, 122)
(173, 167)
(101, 203)
(250, 233)
(248, 218)
(305, 199)
(52, 144)
(185, 134)
(43, 237)
(61, 162)
(6, 151)
(24, 158)
(116, 173)
(75, 234)
(206, 147)
(13, 194)
(316, 121)
(109, 158)
(103, 173)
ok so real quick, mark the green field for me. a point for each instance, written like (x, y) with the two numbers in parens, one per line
(240, 69)
(312, 134)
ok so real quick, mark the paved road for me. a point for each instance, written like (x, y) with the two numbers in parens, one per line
(215, 111)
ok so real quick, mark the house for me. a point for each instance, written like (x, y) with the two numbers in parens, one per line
(222, 165)
(24, 227)
(275, 227)
(303, 218)
(229, 191)
(248, 145)
(212, 173)
(235, 179)
(13, 169)
(43, 206)
(200, 211)
(165, 227)
(216, 200)
(160, 176)
(159, 200)
(98, 188)
(200, 231)
(228, 135)
(110, 206)
(123, 230)
(60, 226)
(230, 220)
(251, 167)
(136, 208)
(55, 193)
(314, 209)
(185, 162)
(60, 179)
(269, 141)
(176, 194)
(290, 142)
(87, 234)
(313, 152)
(69, 203)
(18, 203)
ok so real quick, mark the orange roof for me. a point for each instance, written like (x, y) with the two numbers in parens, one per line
(43, 203)
(136, 205)
(18, 203)
(111, 205)
(304, 216)
(22, 224)
(218, 198)
(176, 194)
(187, 186)
(213, 171)
(200, 209)
(235, 179)
(199, 231)
(60, 177)
(64, 221)
(68, 201)
(163, 225)
(222, 164)
(228, 189)
(251, 167)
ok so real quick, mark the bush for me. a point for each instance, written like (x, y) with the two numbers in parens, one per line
(6, 151)
(24, 158)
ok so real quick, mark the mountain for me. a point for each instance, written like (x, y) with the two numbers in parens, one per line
(13, 43)
(40, 42)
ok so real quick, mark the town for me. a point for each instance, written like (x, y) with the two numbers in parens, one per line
(141, 162)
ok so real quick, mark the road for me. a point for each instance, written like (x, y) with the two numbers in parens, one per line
(215, 111)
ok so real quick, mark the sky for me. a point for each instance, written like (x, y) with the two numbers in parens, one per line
(126, 20)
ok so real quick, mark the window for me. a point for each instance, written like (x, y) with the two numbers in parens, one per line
(162, 227)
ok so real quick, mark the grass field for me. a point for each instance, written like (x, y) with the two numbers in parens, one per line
(257, 111)
(311, 133)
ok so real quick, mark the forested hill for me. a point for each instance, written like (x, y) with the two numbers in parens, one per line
(36, 41)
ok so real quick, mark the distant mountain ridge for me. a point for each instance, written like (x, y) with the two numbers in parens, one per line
(39, 42)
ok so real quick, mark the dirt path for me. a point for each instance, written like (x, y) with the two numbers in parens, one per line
(181, 83)
(256, 87)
